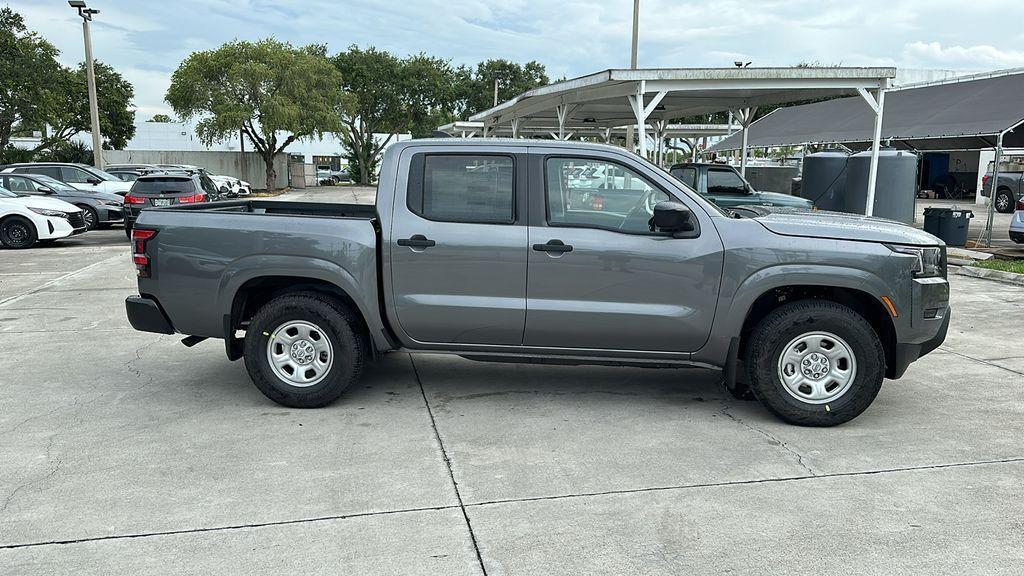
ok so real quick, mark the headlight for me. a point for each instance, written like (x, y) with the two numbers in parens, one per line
(931, 261)
(111, 203)
(45, 212)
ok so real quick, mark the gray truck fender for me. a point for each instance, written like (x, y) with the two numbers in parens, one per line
(251, 267)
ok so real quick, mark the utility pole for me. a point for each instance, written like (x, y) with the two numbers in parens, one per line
(632, 65)
(94, 109)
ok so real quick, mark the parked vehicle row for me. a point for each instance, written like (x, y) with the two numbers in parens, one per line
(101, 209)
(228, 186)
(162, 189)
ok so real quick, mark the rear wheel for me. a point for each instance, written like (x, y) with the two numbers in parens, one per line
(304, 350)
(17, 232)
(1004, 201)
(815, 363)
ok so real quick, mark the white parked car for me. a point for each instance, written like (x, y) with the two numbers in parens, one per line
(229, 186)
(1017, 223)
(25, 220)
(80, 176)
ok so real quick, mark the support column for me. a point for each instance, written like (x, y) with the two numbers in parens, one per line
(515, 128)
(987, 233)
(746, 118)
(563, 111)
(877, 103)
(642, 112)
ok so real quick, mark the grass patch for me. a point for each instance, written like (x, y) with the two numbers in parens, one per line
(1016, 266)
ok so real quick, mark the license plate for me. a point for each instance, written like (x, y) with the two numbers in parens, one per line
(161, 202)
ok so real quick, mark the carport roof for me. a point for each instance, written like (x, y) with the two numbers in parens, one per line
(600, 98)
(966, 113)
(470, 128)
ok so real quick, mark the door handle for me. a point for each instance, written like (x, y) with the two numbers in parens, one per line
(553, 246)
(416, 241)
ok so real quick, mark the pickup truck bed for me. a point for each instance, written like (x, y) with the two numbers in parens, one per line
(488, 249)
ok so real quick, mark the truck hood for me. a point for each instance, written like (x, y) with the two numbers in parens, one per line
(776, 199)
(839, 226)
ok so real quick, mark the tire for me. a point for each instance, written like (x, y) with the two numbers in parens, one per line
(343, 339)
(1004, 201)
(92, 219)
(823, 400)
(18, 233)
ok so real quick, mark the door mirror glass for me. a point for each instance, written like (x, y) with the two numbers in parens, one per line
(93, 181)
(44, 190)
(673, 218)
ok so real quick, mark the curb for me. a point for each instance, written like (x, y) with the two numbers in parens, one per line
(987, 274)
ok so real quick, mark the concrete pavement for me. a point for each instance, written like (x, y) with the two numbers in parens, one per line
(127, 453)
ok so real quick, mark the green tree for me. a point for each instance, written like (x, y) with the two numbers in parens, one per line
(28, 73)
(374, 80)
(513, 79)
(70, 115)
(161, 118)
(271, 91)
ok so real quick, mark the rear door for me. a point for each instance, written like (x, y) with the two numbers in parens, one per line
(599, 278)
(458, 246)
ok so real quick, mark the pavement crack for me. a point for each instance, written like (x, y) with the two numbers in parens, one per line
(775, 440)
(448, 465)
(980, 361)
(50, 474)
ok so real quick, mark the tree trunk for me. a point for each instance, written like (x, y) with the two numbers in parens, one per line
(271, 173)
(364, 166)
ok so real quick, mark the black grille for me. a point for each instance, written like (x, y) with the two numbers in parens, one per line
(76, 219)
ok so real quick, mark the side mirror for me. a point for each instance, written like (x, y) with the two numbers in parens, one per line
(93, 181)
(673, 218)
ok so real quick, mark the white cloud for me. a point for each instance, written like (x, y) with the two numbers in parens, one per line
(934, 55)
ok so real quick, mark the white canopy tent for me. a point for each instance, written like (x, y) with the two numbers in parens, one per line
(649, 98)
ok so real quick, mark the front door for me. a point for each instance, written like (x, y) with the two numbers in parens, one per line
(458, 247)
(599, 278)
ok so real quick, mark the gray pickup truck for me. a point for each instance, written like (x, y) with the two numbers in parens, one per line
(1008, 192)
(481, 248)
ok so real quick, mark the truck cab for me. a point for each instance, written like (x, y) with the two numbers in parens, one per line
(723, 185)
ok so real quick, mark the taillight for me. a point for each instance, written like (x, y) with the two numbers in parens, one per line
(985, 179)
(139, 239)
(200, 197)
(1020, 203)
(597, 203)
(129, 199)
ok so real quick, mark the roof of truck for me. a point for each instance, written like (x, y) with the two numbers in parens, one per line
(518, 142)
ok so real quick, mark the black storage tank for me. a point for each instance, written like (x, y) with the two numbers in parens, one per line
(824, 180)
(896, 188)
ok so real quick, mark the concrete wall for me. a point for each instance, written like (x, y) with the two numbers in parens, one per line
(248, 166)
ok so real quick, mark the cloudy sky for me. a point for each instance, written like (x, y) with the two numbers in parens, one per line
(146, 39)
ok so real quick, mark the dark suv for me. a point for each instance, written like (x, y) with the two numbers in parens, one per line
(162, 189)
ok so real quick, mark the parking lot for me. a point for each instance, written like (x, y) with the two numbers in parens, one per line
(125, 452)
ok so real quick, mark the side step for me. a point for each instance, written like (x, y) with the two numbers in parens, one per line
(190, 341)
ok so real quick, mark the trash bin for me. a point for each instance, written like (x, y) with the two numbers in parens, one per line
(948, 224)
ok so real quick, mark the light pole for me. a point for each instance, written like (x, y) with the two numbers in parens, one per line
(90, 74)
(632, 65)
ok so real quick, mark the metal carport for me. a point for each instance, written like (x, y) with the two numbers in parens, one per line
(977, 112)
(655, 96)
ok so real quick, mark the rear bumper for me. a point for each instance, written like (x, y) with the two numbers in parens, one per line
(905, 354)
(146, 315)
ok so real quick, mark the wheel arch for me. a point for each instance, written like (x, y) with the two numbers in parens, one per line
(869, 307)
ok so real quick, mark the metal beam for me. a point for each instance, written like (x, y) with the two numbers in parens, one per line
(878, 105)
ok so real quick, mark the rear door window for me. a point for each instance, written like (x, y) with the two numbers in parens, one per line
(464, 188)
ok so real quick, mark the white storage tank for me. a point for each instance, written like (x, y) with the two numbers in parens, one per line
(895, 191)
(824, 180)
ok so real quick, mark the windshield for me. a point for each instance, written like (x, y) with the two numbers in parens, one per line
(102, 175)
(5, 193)
(54, 184)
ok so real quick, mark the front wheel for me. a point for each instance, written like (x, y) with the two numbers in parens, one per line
(1004, 201)
(92, 219)
(815, 363)
(17, 232)
(304, 350)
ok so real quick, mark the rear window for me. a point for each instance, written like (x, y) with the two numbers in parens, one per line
(464, 188)
(162, 185)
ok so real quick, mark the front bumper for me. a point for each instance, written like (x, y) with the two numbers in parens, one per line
(109, 214)
(146, 315)
(905, 354)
